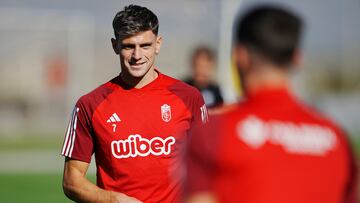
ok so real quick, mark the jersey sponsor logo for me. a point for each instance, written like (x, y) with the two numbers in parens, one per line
(166, 112)
(204, 114)
(135, 146)
(311, 139)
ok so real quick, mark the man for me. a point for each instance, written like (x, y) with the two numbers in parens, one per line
(135, 124)
(270, 148)
(202, 67)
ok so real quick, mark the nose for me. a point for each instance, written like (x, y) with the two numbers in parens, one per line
(137, 53)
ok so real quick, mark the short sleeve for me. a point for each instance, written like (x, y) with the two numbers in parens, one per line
(193, 101)
(200, 112)
(78, 142)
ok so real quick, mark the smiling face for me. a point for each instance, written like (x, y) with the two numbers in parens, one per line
(137, 54)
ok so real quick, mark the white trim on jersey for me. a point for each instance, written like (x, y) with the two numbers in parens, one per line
(204, 114)
(74, 134)
(67, 136)
(70, 135)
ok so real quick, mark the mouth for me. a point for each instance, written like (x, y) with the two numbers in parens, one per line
(137, 65)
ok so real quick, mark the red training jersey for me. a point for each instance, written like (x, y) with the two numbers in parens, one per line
(271, 148)
(138, 136)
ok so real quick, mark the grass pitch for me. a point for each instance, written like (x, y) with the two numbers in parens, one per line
(32, 188)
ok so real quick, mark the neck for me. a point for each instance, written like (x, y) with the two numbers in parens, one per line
(265, 78)
(139, 82)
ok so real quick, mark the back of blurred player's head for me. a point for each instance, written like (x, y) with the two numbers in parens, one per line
(133, 20)
(270, 32)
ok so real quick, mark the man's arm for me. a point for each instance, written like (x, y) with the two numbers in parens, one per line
(202, 197)
(78, 188)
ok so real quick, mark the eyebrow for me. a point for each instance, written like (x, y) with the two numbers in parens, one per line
(133, 45)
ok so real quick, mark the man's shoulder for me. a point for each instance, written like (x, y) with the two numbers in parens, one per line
(97, 95)
(181, 88)
(302, 111)
(233, 112)
(319, 117)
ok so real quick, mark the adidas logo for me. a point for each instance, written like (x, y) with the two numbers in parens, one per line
(113, 119)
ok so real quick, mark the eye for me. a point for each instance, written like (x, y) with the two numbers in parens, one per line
(127, 46)
(146, 46)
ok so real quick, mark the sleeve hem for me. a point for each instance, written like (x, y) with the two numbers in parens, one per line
(79, 158)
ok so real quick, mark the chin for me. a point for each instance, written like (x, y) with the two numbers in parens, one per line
(137, 73)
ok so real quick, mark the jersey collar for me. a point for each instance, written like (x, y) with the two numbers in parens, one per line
(278, 95)
(151, 85)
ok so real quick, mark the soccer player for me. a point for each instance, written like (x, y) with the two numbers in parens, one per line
(270, 147)
(202, 67)
(136, 124)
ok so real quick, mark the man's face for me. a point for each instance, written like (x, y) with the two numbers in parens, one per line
(203, 69)
(137, 53)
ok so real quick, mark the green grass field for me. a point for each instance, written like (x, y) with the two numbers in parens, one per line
(32, 188)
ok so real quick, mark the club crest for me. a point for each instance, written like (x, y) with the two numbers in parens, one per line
(166, 113)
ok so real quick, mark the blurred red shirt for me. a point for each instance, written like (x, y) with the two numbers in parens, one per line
(271, 148)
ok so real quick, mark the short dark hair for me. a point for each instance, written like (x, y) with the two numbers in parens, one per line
(133, 20)
(207, 51)
(271, 31)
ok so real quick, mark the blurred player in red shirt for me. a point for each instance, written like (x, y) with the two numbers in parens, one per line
(270, 147)
(136, 124)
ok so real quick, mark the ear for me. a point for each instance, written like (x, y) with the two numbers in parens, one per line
(115, 46)
(242, 59)
(158, 44)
